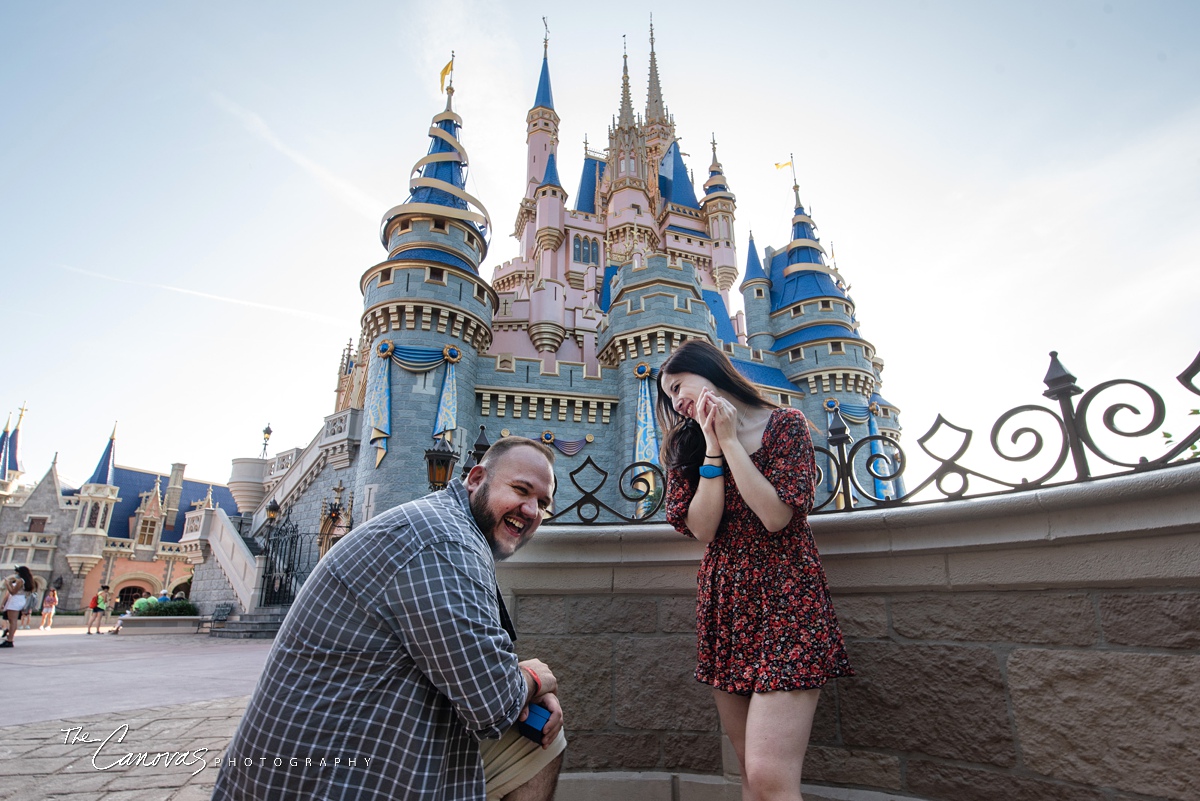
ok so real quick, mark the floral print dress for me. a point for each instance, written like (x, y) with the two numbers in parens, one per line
(764, 617)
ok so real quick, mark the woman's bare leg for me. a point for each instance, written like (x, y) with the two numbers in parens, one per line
(778, 726)
(732, 710)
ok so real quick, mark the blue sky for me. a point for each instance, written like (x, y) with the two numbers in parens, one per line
(190, 191)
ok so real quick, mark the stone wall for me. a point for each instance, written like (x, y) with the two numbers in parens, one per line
(1040, 694)
(1038, 646)
(211, 587)
(625, 664)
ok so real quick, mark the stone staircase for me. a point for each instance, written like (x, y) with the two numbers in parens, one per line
(255, 626)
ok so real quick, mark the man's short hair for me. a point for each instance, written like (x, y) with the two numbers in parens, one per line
(506, 444)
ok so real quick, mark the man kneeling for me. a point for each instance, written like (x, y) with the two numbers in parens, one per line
(396, 660)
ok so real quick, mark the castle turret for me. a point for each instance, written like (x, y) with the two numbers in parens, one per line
(427, 317)
(547, 301)
(97, 497)
(718, 206)
(756, 300)
(541, 143)
(10, 456)
(7, 485)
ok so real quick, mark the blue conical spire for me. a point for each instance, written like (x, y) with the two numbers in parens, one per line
(802, 228)
(449, 171)
(550, 178)
(103, 473)
(12, 461)
(545, 97)
(754, 268)
(4, 449)
(673, 181)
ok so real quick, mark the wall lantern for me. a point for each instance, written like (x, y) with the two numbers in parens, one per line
(440, 460)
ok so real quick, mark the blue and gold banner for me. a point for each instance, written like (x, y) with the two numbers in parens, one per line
(378, 406)
(645, 443)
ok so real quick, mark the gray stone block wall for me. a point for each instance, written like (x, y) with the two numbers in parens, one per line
(624, 665)
(60, 521)
(959, 696)
(210, 587)
(974, 696)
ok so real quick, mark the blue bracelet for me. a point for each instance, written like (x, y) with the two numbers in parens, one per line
(711, 471)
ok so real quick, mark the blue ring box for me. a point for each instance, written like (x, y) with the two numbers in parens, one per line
(533, 725)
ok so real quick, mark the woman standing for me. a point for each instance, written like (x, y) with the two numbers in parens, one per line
(741, 478)
(49, 604)
(15, 598)
(97, 608)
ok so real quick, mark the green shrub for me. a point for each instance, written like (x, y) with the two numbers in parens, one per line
(181, 608)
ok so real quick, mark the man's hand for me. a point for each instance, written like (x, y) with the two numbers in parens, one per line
(546, 682)
(554, 724)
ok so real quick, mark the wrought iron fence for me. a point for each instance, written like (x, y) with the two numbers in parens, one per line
(291, 555)
(952, 478)
(851, 472)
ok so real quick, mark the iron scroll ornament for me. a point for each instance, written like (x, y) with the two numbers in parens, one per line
(642, 484)
(953, 480)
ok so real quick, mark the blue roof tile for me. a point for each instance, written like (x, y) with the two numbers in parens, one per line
(132, 482)
(606, 290)
(545, 97)
(593, 171)
(103, 474)
(449, 171)
(801, 285)
(673, 181)
(550, 176)
(679, 229)
(754, 269)
(432, 254)
(716, 305)
(763, 375)
(813, 333)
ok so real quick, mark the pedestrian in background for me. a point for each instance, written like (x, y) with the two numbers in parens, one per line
(15, 599)
(49, 604)
(97, 608)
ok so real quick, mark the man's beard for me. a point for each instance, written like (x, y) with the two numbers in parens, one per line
(485, 519)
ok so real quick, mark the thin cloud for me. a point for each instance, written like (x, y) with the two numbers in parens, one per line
(351, 195)
(208, 296)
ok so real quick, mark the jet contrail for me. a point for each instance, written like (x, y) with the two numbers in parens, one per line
(236, 301)
(360, 201)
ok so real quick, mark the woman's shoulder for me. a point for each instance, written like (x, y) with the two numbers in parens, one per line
(785, 415)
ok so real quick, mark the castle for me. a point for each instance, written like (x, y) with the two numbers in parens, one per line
(562, 344)
(122, 528)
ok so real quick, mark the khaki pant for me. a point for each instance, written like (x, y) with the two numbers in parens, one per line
(513, 760)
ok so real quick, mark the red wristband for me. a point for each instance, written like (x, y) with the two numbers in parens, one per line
(537, 684)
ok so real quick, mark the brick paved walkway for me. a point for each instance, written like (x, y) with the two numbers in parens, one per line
(42, 762)
(175, 693)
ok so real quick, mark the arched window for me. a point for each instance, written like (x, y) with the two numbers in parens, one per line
(575, 249)
(104, 517)
(94, 515)
(595, 251)
(83, 512)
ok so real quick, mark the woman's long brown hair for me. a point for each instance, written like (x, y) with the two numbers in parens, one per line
(683, 441)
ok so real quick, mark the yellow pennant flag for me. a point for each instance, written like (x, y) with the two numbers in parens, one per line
(446, 71)
(779, 166)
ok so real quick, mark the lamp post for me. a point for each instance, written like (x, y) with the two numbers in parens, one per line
(440, 461)
(266, 438)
